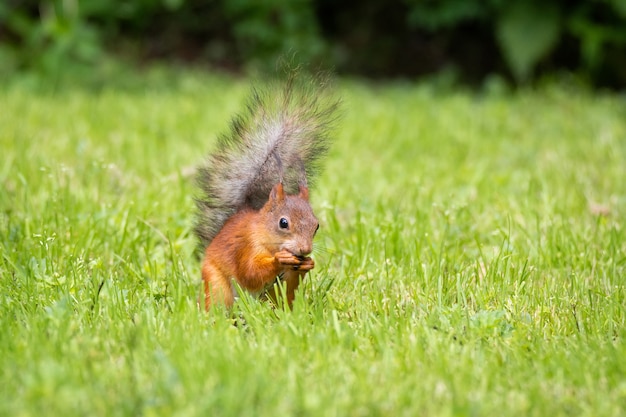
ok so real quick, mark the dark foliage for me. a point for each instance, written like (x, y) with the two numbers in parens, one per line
(471, 38)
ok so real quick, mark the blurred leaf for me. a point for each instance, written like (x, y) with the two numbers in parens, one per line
(619, 6)
(433, 15)
(526, 32)
(173, 4)
(593, 39)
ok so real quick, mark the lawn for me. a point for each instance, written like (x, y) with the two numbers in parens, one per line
(471, 258)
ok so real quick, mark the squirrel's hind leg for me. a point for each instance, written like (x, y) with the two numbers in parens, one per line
(291, 280)
(217, 287)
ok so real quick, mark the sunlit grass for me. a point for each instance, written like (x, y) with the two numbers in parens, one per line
(471, 258)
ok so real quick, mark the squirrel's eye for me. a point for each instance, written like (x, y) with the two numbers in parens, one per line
(316, 228)
(283, 223)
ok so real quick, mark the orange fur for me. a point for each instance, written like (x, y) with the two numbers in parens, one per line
(253, 250)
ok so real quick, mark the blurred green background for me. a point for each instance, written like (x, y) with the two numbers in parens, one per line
(469, 41)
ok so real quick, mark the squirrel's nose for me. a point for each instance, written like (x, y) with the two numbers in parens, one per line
(304, 250)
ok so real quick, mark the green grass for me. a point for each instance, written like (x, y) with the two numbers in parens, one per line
(471, 258)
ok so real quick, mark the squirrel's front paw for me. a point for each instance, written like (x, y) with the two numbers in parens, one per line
(287, 258)
(303, 263)
(307, 264)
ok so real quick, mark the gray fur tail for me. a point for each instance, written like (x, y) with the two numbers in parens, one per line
(282, 135)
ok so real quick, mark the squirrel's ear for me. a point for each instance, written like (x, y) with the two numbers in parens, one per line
(278, 193)
(304, 192)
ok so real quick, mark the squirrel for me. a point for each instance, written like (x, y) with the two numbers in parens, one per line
(254, 219)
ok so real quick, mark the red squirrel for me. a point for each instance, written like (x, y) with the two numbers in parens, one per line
(254, 221)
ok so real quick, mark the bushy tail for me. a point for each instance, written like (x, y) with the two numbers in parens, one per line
(282, 135)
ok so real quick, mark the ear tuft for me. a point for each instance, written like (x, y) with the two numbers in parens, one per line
(304, 192)
(278, 193)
